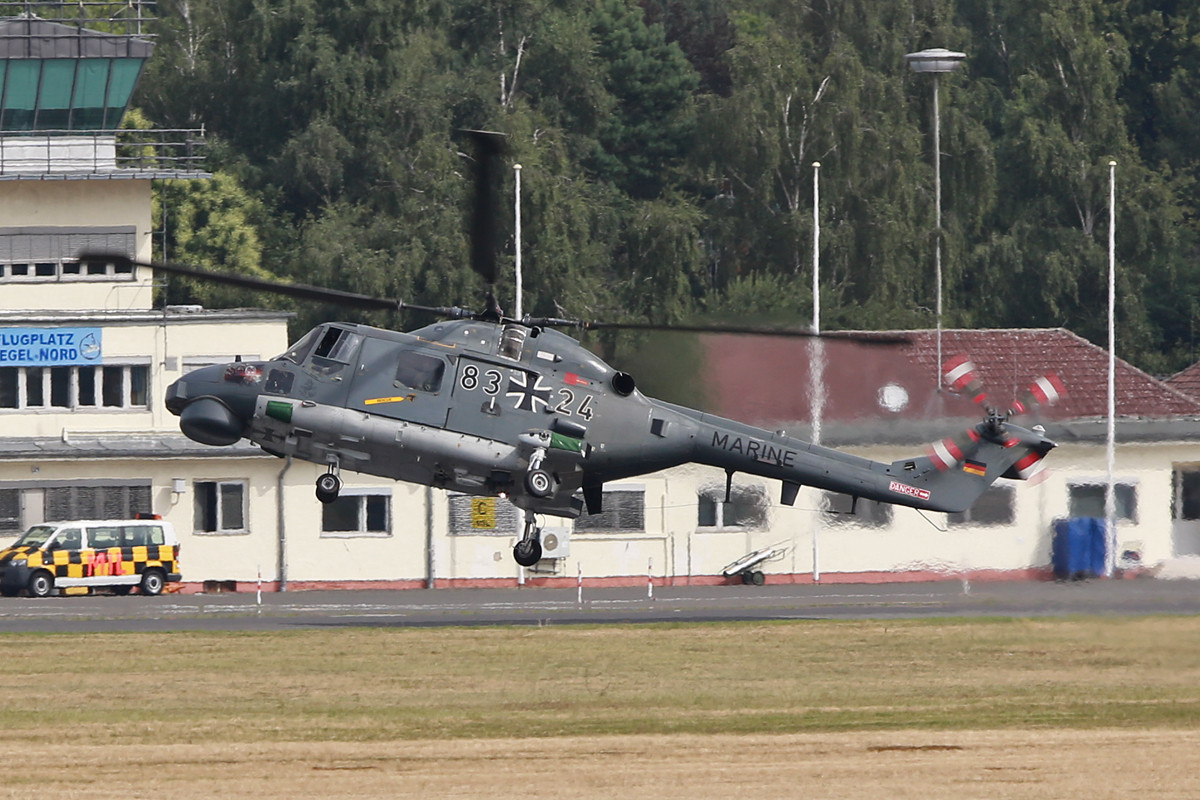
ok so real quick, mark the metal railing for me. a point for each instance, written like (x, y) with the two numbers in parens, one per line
(179, 150)
(126, 17)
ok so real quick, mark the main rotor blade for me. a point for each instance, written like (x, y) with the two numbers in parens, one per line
(488, 147)
(297, 290)
(869, 337)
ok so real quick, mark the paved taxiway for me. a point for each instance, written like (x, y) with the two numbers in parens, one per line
(541, 606)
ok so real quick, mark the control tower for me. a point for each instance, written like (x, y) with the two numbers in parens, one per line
(71, 178)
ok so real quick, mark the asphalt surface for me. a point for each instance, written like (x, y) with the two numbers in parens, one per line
(541, 606)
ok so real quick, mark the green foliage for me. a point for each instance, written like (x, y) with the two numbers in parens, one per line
(668, 148)
(213, 224)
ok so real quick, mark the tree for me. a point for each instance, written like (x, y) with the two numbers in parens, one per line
(652, 121)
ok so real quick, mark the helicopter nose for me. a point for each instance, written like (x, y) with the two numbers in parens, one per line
(214, 404)
(209, 421)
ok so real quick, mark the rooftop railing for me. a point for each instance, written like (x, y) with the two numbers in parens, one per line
(126, 17)
(112, 153)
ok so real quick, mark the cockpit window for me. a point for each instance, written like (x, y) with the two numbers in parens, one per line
(420, 372)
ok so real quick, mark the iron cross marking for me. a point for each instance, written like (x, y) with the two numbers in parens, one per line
(528, 391)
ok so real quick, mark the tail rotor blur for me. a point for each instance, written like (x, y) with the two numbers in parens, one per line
(963, 377)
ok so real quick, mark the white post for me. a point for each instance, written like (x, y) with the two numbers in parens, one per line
(816, 361)
(1110, 500)
(816, 324)
(937, 194)
(517, 238)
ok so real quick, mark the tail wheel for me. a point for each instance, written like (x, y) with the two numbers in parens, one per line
(527, 552)
(41, 584)
(153, 582)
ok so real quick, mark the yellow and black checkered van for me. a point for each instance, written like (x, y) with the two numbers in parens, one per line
(78, 556)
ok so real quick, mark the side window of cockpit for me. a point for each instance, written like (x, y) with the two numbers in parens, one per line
(334, 351)
(337, 345)
(420, 372)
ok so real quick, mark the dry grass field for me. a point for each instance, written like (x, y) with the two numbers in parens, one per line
(1064, 708)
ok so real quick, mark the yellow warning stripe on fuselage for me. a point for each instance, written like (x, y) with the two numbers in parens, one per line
(373, 401)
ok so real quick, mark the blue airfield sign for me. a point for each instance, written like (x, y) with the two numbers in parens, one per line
(49, 347)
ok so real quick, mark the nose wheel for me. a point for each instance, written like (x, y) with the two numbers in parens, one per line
(328, 486)
(528, 551)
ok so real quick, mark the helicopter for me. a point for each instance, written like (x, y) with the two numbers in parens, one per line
(488, 405)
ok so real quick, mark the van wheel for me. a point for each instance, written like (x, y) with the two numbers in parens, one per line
(152, 582)
(41, 584)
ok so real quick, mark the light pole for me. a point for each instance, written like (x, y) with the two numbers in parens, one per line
(935, 62)
(1110, 451)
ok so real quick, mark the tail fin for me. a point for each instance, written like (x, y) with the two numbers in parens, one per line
(996, 450)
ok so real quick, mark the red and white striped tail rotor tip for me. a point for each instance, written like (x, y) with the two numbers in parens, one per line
(962, 376)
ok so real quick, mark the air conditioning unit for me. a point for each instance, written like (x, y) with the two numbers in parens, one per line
(556, 542)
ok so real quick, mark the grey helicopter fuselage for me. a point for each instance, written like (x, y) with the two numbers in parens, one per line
(502, 409)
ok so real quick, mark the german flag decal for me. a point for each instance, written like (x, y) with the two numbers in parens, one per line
(975, 467)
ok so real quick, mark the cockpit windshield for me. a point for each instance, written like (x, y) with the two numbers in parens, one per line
(299, 351)
(324, 350)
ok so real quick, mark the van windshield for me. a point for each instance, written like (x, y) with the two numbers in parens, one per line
(35, 536)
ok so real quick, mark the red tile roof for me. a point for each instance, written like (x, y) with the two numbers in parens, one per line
(768, 379)
(1187, 381)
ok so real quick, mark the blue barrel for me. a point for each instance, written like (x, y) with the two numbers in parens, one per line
(1079, 548)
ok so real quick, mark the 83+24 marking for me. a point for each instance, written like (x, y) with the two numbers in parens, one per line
(525, 397)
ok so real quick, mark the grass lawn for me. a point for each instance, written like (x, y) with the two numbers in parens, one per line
(380, 712)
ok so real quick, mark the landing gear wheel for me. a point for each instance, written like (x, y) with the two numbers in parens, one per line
(527, 552)
(328, 486)
(41, 584)
(538, 483)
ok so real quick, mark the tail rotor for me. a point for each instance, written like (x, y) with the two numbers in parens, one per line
(963, 377)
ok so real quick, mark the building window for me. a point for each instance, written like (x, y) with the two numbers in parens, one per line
(49, 254)
(96, 502)
(220, 507)
(113, 386)
(996, 506)
(64, 270)
(10, 392)
(746, 508)
(483, 516)
(353, 514)
(1087, 500)
(624, 510)
(1185, 501)
(10, 511)
(840, 509)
